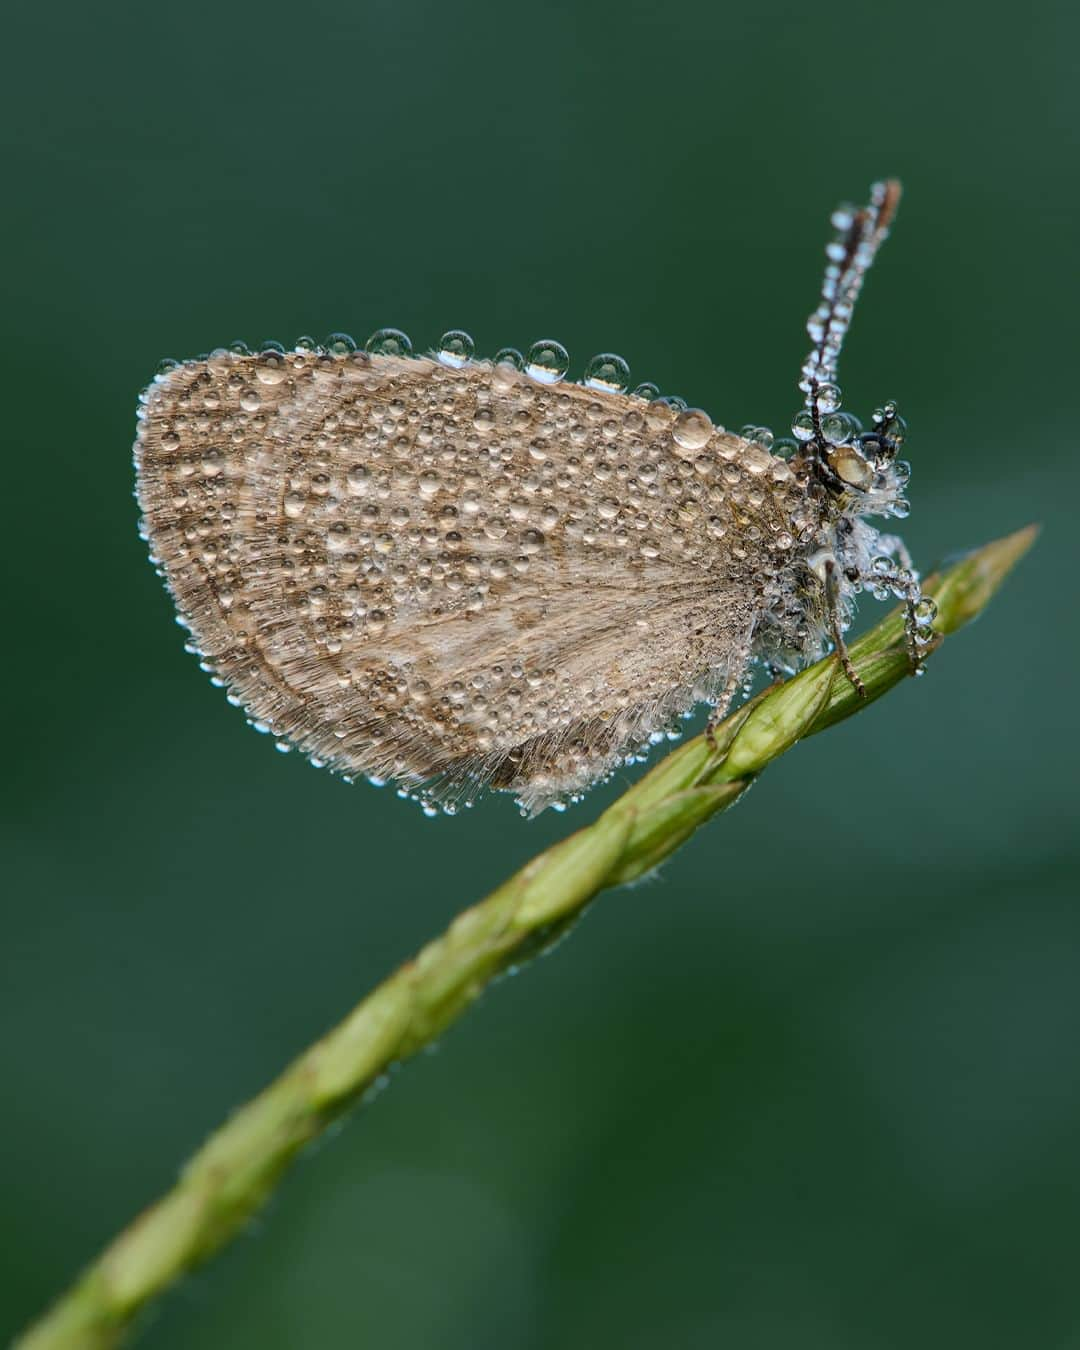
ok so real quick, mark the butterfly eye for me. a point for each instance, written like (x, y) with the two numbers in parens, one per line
(874, 445)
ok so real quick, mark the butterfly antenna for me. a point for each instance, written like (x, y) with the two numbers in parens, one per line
(860, 232)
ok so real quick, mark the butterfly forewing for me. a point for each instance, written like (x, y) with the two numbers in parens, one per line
(450, 577)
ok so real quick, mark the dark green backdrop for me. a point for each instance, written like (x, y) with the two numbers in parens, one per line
(816, 1086)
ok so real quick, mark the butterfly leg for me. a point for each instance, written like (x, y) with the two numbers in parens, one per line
(832, 602)
(919, 610)
(895, 547)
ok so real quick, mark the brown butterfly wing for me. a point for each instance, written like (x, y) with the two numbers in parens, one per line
(452, 577)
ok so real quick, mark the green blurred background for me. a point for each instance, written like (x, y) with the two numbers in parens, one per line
(815, 1086)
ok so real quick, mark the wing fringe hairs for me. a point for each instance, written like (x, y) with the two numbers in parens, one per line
(238, 1166)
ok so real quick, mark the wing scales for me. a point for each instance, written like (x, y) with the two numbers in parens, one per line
(452, 577)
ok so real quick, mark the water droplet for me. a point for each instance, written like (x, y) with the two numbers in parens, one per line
(547, 362)
(762, 436)
(802, 426)
(239, 348)
(607, 371)
(339, 344)
(900, 508)
(692, 429)
(532, 541)
(647, 390)
(785, 447)
(828, 397)
(509, 356)
(837, 427)
(359, 479)
(455, 348)
(925, 611)
(900, 581)
(843, 217)
(849, 465)
(388, 342)
(213, 461)
(271, 368)
(306, 344)
(166, 365)
(271, 346)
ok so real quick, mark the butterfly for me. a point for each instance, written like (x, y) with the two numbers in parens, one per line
(454, 573)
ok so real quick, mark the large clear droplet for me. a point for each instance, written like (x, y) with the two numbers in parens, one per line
(455, 348)
(844, 424)
(828, 397)
(271, 367)
(388, 342)
(836, 428)
(340, 344)
(802, 426)
(692, 429)
(547, 362)
(607, 371)
(509, 356)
